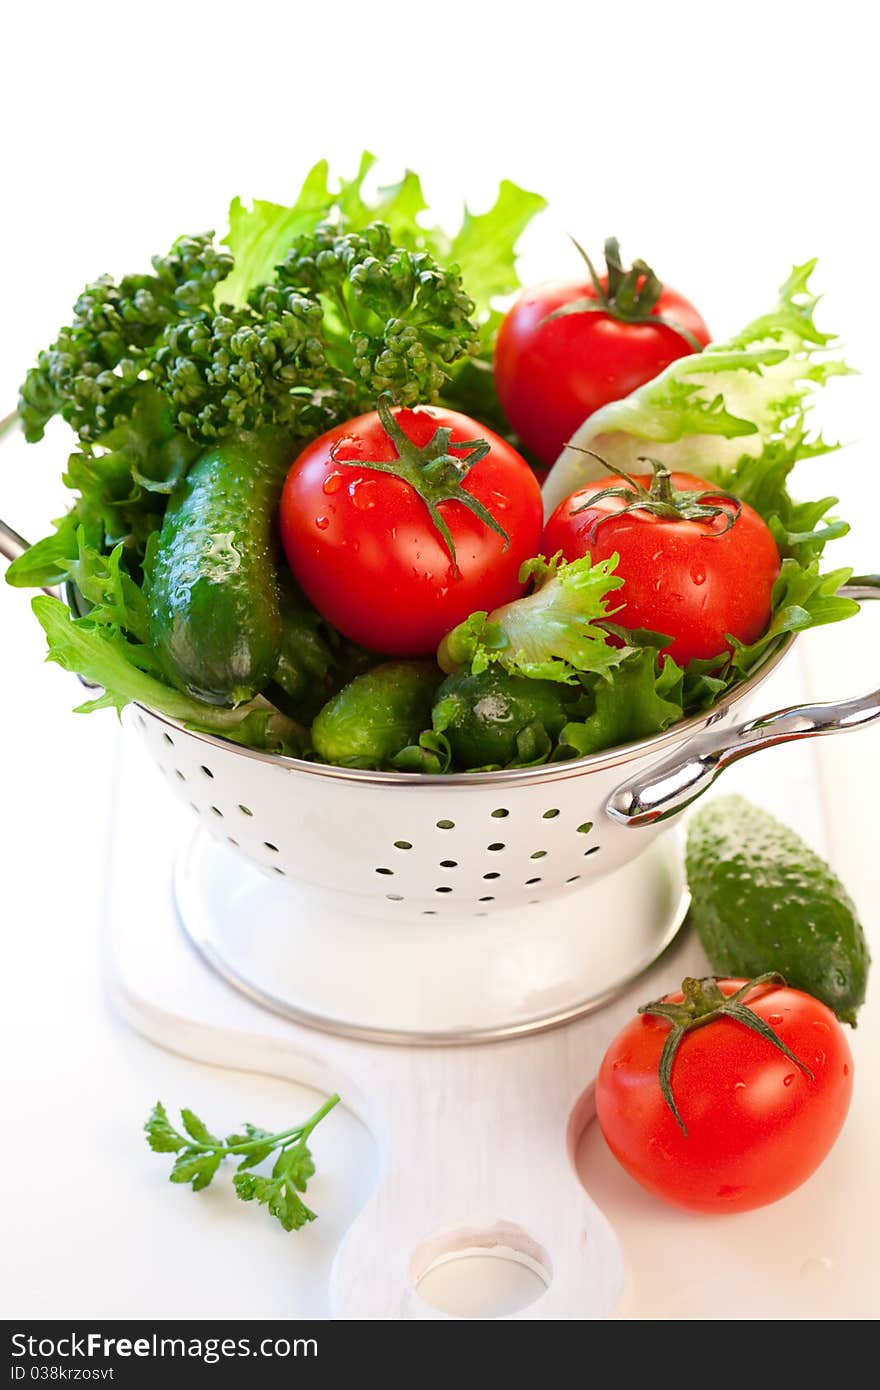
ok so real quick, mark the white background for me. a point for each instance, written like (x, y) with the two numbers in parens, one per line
(720, 143)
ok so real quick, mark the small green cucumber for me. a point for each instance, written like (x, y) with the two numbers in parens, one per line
(763, 900)
(215, 615)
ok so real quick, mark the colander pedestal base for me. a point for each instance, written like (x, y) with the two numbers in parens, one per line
(434, 981)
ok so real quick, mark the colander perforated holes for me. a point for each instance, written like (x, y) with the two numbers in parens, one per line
(268, 845)
(500, 813)
(394, 897)
(141, 722)
(448, 863)
(389, 872)
(446, 825)
(538, 854)
(245, 810)
(491, 875)
(585, 828)
(278, 871)
(488, 899)
(574, 878)
(402, 844)
(207, 771)
(594, 850)
(217, 812)
(552, 814)
(194, 807)
(168, 739)
(530, 881)
(232, 841)
(496, 846)
(444, 888)
(429, 912)
(179, 775)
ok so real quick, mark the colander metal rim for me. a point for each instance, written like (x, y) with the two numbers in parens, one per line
(543, 772)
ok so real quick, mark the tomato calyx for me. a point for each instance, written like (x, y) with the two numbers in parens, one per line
(432, 471)
(705, 1003)
(628, 295)
(661, 499)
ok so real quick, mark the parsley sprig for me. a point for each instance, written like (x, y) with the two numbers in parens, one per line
(200, 1153)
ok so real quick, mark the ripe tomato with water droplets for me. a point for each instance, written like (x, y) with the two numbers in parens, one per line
(757, 1124)
(696, 581)
(566, 349)
(363, 515)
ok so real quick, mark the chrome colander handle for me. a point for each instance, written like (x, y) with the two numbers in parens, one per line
(11, 543)
(672, 784)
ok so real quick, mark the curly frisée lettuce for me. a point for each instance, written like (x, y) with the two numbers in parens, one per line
(108, 645)
(102, 655)
(554, 633)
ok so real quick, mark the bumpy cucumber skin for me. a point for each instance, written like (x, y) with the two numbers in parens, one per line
(214, 599)
(376, 715)
(763, 900)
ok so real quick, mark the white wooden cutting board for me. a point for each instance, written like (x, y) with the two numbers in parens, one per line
(477, 1143)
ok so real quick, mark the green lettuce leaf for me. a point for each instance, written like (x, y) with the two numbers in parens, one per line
(554, 633)
(802, 598)
(711, 410)
(483, 248)
(259, 236)
(101, 654)
(643, 698)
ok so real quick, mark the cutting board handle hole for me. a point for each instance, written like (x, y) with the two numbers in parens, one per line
(472, 1271)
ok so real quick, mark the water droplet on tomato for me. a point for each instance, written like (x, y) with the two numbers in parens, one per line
(363, 494)
(739, 1085)
(322, 522)
(774, 1018)
(787, 1080)
(332, 483)
(619, 1062)
(499, 501)
(698, 574)
(823, 1027)
(846, 1069)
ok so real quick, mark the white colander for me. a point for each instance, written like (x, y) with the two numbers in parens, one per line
(395, 905)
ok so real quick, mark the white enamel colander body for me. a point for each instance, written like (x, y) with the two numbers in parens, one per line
(406, 846)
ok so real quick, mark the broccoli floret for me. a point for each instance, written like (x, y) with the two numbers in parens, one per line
(243, 369)
(91, 373)
(394, 319)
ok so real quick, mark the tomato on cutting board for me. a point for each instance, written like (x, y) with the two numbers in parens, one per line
(752, 1105)
(401, 523)
(697, 564)
(566, 349)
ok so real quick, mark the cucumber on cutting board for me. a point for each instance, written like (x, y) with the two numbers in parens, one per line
(215, 613)
(763, 900)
